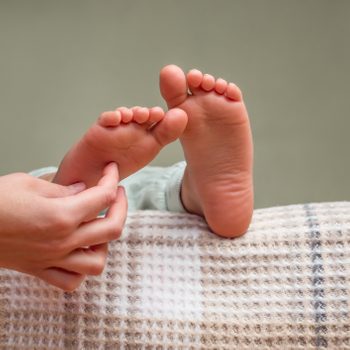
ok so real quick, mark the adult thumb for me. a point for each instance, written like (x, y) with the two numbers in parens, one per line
(52, 190)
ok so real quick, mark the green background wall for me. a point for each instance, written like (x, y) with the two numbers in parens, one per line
(63, 62)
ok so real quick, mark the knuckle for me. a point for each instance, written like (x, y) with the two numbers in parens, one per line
(71, 285)
(53, 248)
(109, 195)
(46, 249)
(62, 246)
(62, 221)
(97, 267)
(114, 230)
(55, 242)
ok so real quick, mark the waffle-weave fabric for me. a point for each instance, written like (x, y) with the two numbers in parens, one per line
(170, 283)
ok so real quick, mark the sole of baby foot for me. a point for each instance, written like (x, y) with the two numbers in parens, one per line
(129, 137)
(217, 143)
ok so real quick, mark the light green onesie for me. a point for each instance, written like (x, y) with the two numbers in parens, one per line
(156, 188)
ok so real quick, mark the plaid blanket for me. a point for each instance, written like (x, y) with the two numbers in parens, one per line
(170, 283)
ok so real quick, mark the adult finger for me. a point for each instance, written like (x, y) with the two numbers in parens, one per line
(63, 279)
(105, 229)
(52, 190)
(85, 261)
(109, 179)
(86, 205)
(110, 176)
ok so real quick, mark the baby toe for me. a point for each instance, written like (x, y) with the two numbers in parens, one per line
(141, 115)
(194, 78)
(233, 92)
(220, 86)
(156, 114)
(208, 82)
(109, 119)
(126, 114)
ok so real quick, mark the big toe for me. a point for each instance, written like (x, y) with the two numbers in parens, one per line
(173, 85)
(170, 127)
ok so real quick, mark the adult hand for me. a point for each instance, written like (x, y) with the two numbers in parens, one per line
(44, 227)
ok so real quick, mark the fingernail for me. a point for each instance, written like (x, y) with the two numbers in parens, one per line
(78, 187)
(112, 164)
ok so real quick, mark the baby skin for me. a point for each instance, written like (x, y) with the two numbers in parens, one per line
(217, 144)
(211, 120)
(129, 137)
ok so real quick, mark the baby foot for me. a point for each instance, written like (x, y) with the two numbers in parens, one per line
(129, 137)
(218, 149)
